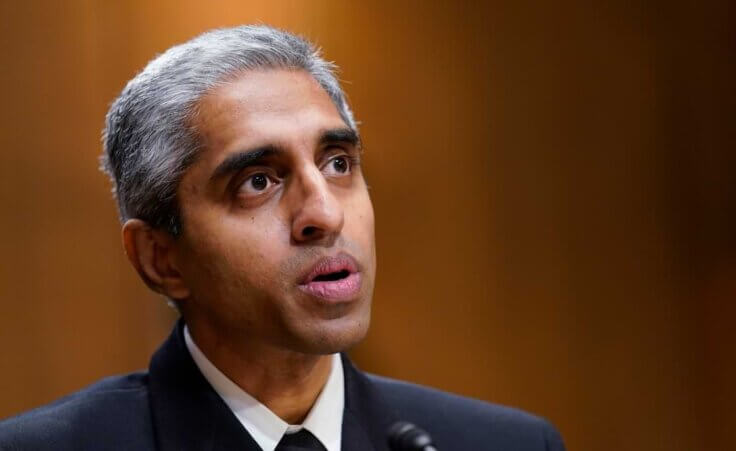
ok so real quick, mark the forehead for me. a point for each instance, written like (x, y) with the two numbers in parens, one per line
(262, 107)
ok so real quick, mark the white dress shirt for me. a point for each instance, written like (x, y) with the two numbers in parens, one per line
(324, 421)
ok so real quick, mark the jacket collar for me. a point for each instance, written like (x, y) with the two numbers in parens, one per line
(189, 415)
(366, 418)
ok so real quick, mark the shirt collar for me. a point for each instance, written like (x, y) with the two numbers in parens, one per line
(266, 428)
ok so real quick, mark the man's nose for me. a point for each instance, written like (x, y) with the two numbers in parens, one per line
(318, 214)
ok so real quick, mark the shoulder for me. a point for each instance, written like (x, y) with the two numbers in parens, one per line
(452, 419)
(114, 408)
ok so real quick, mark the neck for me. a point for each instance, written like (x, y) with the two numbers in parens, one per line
(286, 382)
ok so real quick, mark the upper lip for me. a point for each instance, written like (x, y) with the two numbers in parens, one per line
(329, 265)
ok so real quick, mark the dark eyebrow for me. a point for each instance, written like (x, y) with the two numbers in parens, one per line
(342, 135)
(241, 160)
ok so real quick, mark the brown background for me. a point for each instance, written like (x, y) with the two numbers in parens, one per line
(553, 184)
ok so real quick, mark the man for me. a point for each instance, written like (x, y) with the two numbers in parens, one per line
(235, 161)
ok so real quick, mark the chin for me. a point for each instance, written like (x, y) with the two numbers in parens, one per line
(335, 336)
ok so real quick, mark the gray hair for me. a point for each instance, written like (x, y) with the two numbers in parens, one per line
(148, 140)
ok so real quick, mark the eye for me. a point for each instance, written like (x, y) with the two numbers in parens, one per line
(339, 165)
(256, 184)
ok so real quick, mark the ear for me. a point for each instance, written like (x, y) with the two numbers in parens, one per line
(152, 253)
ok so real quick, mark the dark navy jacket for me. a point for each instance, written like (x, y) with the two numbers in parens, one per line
(173, 408)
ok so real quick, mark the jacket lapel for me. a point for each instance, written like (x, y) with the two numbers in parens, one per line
(187, 413)
(366, 418)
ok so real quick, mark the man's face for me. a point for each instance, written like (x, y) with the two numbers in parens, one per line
(278, 244)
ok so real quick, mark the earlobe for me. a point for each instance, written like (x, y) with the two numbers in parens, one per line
(152, 254)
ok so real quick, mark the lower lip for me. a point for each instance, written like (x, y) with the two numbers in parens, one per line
(335, 290)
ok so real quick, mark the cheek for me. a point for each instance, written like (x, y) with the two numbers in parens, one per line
(361, 218)
(237, 253)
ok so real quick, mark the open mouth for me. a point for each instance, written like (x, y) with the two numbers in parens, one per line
(331, 277)
(331, 269)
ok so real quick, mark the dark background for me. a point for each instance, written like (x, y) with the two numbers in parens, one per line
(553, 184)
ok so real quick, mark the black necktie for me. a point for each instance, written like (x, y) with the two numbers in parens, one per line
(300, 441)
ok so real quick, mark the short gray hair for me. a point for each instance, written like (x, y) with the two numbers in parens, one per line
(148, 139)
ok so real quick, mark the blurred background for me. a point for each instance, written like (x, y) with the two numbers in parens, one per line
(553, 182)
